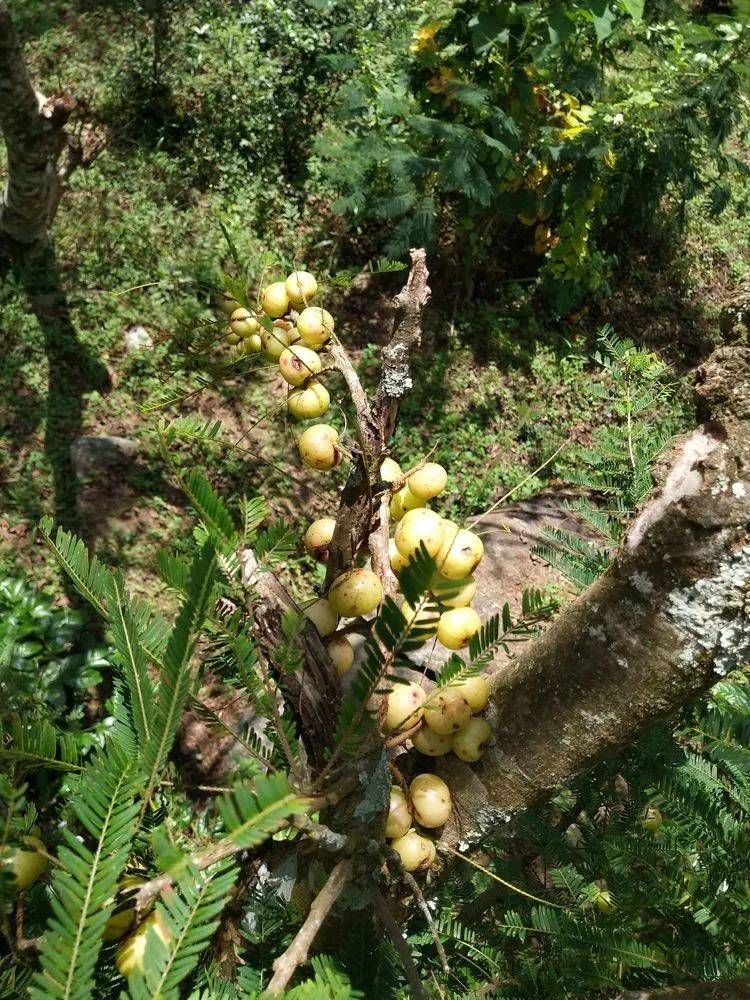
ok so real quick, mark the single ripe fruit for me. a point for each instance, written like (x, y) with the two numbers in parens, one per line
(460, 553)
(457, 626)
(232, 339)
(390, 471)
(471, 742)
(318, 537)
(226, 303)
(604, 902)
(252, 344)
(428, 481)
(243, 323)
(300, 288)
(403, 707)
(451, 594)
(397, 560)
(315, 326)
(431, 800)
(25, 863)
(275, 299)
(310, 402)
(124, 916)
(129, 955)
(417, 526)
(653, 819)
(319, 447)
(423, 619)
(275, 342)
(355, 593)
(322, 615)
(399, 814)
(447, 711)
(298, 363)
(396, 508)
(416, 852)
(342, 653)
(428, 742)
(476, 691)
(409, 501)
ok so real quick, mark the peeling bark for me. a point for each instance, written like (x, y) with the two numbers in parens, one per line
(662, 625)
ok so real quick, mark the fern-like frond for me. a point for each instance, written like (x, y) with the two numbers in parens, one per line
(252, 814)
(175, 678)
(88, 575)
(38, 744)
(190, 914)
(131, 657)
(211, 509)
(83, 887)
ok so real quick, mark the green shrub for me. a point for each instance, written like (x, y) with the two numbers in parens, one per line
(540, 129)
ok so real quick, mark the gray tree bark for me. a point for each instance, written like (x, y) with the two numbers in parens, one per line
(663, 624)
(33, 129)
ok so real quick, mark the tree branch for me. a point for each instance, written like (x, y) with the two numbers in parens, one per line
(394, 933)
(662, 625)
(296, 954)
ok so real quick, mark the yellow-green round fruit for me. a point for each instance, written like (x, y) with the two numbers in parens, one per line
(416, 852)
(471, 742)
(457, 626)
(275, 300)
(319, 447)
(428, 481)
(399, 814)
(403, 707)
(318, 537)
(452, 596)
(423, 619)
(604, 902)
(122, 919)
(390, 471)
(301, 287)
(446, 711)
(409, 501)
(322, 615)
(226, 303)
(252, 344)
(397, 560)
(310, 402)
(396, 509)
(232, 339)
(298, 363)
(428, 742)
(129, 954)
(342, 653)
(476, 690)
(243, 323)
(431, 800)
(653, 819)
(275, 342)
(315, 326)
(24, 863)
(460, 553)
(356, 592)
(421, 525)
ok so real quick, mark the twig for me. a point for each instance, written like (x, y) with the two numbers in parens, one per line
(419, 895)
(378, 545)
(296, 954)
(518, 486)
(404, 953)
(492, 875)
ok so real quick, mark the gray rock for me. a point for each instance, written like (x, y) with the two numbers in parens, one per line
(137, 338)
(89, 455)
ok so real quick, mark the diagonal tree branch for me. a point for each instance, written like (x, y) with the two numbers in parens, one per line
(663, 624)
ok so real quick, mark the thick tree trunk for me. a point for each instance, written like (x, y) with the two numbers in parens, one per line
(33, 128)
(664, 623)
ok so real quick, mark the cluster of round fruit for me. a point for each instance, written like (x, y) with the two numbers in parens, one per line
(456, 551)
(428, 803)
(297, 333)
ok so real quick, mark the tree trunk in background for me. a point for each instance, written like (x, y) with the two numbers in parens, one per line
(33, 129)
(663, 624)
